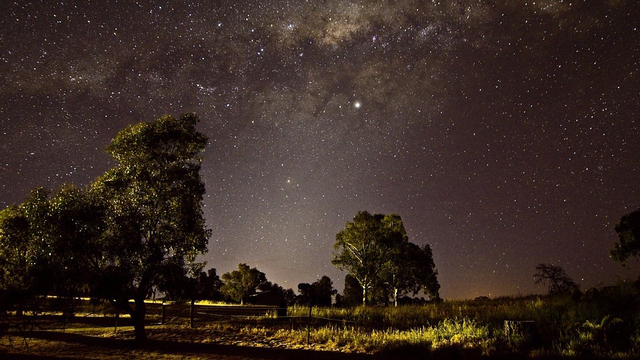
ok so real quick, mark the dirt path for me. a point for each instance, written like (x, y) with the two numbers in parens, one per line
(164, 343)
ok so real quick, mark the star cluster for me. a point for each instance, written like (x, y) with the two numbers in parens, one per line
(505, 134)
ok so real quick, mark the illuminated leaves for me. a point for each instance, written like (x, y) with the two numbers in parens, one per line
(376, 251)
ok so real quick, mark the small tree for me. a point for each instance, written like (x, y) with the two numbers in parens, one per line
(628, 244)
(425, 272)
(556, 279)
(242, 283)
(318, 293)
(352, 293)
(209, 285)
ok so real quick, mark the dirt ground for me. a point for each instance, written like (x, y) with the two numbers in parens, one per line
(164, 343)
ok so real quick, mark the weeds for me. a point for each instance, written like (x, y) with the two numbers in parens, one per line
(604, 323)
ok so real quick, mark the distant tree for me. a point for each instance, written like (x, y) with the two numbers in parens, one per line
(360, 250)
(628, 244)
(45, 244)
(376, 251)
(209, 285)
(289, 296)
(240, 284)
(307, 294)
(17, 254)
(324, 291)
(177, 280)
(425, 272)
(317, 293)
(352, 293)
(153, 210)
(555, 278)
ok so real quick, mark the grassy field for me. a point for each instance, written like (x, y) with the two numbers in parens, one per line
(595, 325)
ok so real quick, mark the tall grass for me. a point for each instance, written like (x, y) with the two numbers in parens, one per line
(605, 323)
(454, 332)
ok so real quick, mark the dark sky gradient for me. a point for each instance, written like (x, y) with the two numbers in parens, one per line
(505, 133)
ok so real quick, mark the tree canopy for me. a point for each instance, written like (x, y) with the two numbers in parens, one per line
(375, 250)
(240, 284)
(317, 293)
(153, 208)
(628, 244)
(556, 279)
(113, 238)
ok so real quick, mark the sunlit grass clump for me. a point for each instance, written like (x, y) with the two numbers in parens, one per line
(455, 332)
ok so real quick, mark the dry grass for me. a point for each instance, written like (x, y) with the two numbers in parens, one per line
(596, 327)
(224, 340)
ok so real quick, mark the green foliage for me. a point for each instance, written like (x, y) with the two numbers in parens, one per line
(376, 252)
(153, 208)
(602, 323)
(448, 333)
(115, 237)
(359, 250)
(47, 243)
(239, 284)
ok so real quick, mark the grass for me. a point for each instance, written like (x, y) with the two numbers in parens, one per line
(605, 325)
(463, 332)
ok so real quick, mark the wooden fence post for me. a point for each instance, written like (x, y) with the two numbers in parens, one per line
(192, 312)
(117, 317)
(309, 326)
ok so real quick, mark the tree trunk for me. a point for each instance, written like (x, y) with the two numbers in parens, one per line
(138, 314)
(395, 296)
(364, 296)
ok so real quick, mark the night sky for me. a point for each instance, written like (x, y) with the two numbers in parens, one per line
(504, 133)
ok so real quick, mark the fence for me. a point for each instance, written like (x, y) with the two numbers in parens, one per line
(57, 314)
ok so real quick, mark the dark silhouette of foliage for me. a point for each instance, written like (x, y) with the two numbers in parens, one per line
(180, 281)
(153, 211)
(318, 293)
(16, 257)
(628, 244)
(46, 244)
(209, 285)
(556, 279)
(352, 293)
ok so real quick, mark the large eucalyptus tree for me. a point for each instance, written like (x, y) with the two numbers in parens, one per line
(153, 209)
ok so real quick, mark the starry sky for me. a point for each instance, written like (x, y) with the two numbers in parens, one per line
(505, 133)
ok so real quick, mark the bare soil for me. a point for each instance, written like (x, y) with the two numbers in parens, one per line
(164, 342)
